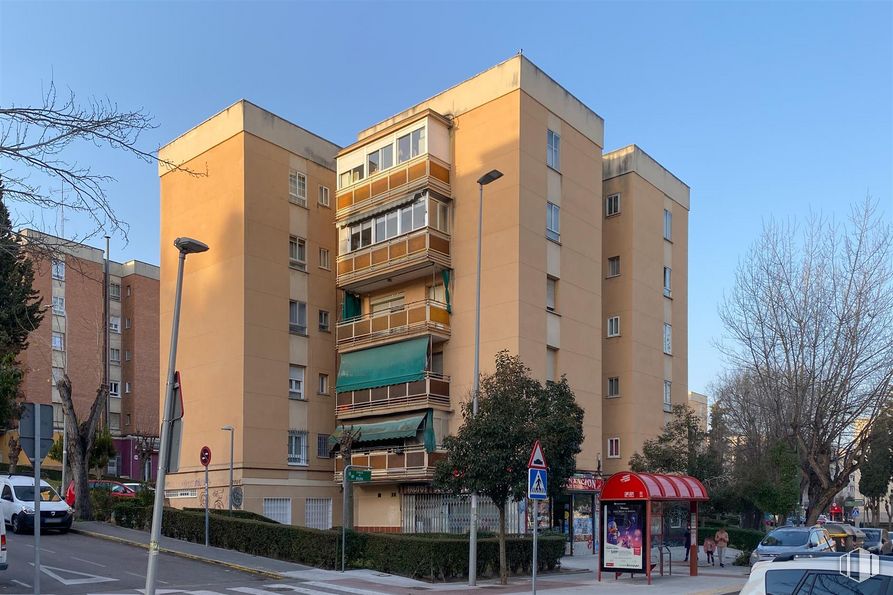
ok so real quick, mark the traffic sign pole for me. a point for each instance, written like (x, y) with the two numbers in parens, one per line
(36, 461)
(205, 459)
(537, 480)
(535, 532)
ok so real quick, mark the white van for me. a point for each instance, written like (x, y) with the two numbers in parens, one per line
(3, 563)
(17, 505)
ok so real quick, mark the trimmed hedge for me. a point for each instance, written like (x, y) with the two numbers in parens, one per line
(239, 514)
(432, 557)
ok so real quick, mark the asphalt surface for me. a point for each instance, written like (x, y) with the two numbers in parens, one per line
(79, 564)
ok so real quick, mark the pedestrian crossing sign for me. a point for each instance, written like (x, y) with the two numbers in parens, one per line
(536, 484)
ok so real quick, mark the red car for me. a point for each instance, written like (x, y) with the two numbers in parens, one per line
(116, 489)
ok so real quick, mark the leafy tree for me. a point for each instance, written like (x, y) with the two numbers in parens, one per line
(20, 304)
(776, 482)
(682, 447)
(877, 471)
(489, 453)
(102, 452)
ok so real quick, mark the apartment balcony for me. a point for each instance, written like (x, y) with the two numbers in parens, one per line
(431, 392)
(424, 171)
(411, 463)
(417, 318)
(399, 259)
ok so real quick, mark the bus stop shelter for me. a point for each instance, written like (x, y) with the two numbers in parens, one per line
(634, 512)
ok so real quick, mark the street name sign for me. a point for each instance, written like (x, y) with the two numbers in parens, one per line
(359, 475)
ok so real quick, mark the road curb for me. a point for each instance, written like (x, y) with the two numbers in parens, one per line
(239, 567)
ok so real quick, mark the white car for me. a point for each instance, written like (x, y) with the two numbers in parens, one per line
(17, 505)
(817, 573)
(3, 563)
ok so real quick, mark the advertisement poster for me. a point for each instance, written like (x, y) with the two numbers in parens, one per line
(623, 527)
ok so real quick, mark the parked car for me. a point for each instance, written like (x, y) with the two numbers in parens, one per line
(788, 540)
(115, 488)
(877, 540)
(3, 564)
(847, 537)
(815, 573)
(139, 487)
(17, 504)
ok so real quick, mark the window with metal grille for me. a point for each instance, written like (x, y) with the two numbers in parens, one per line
(278, 509)
(297, 447)
(296, 382)
(318, 513)
(322, 446)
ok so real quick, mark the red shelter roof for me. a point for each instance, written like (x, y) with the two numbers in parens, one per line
(653, 486)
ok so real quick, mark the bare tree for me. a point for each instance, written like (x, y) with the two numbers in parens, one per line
(810, 326)
(81, 435)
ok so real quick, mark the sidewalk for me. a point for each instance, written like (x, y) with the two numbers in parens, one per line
(185, 549)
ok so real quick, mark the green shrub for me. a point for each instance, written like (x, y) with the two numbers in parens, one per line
(743, 558)
(102, 503)
(132, 514)
(239, 514)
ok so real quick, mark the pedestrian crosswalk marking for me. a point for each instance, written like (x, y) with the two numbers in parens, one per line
(343, 588)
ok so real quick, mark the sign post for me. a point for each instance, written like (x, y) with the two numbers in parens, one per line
(205, 458)
(36, 437)
(537, 483)
(352, 473)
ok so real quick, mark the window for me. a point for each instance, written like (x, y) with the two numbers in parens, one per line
(550, 294)
(833, 583)
(411, 145)
(553, 150)
(297, 188)
(324, 321)
(613, 448)
(296, 382)
(59, 305)
(114, 424)
(668, 225)
(278, 509)
(667, 287)
(129, 291)
(392, 303)
(322, 446)
(58, 374)
(115, 291)
(297, 253)
(58, 416)
(668, 395)
(115, 324)
(127, 323)
(297, 447)
(551, 363)
(614, 386)
(318, 513)
(614, 326)
(187, 493)
(668, 338)
(324, 259)
(323, 196)
(380, 159)
(59, 269)
(126, 388)
(553, 223)
(393, 223)
(297, 317)
(612, 205)
(613, 266)
(114, 388)
(323, 388)
(128, 355)
(115, 354)
(58, 342)
(439, 216)
(351, 176)
(127, 420)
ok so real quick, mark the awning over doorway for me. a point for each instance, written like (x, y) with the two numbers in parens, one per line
(394, 363)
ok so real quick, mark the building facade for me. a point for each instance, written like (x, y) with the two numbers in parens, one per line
(256, 348)
(698, 403)
(69, 277)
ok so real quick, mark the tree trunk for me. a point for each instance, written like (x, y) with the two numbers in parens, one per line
(503, 563)
(80, 443)
(15, 449)
(820, 497)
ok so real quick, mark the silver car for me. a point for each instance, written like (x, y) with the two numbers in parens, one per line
(791, 540)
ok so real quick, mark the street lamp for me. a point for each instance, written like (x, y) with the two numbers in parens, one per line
(490, 176)
(232, 435)
(185, 246)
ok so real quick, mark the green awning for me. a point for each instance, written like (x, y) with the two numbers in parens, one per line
(392, 429)
(382, 366)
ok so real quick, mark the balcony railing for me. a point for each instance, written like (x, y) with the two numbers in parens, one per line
(425, 316)
(433, 391)
(420, 172)
(388, 464)
(403, 255)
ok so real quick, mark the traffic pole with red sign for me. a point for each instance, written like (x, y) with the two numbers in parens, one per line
(205, 458)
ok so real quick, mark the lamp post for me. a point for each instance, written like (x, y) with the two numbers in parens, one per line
(185, 246)
(490, 176)
(232, 434)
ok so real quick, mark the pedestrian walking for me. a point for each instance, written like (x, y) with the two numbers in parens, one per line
(687, 541)
(709, 548)
(722, 542)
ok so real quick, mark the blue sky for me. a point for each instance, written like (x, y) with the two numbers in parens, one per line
(764, 109)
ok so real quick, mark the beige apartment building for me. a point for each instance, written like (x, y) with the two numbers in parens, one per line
(398, 294)
(69, 277)
(698, 403)
(257, 342)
